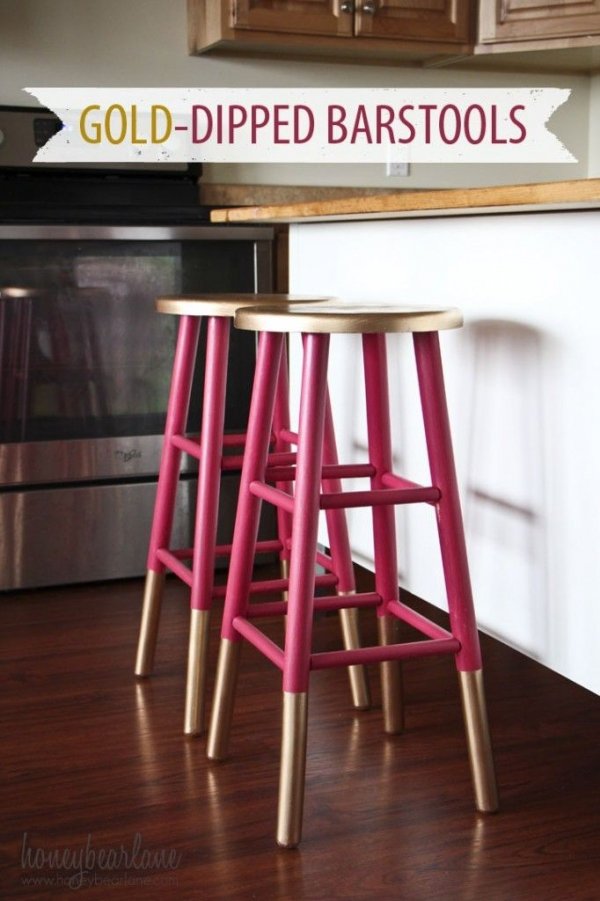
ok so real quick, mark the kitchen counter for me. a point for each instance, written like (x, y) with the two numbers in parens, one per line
(545, 196)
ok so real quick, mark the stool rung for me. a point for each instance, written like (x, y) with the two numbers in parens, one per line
(378, 497)
(185, 553)
(320, 605)
(344, 499)
(329, 471)
(235, 439)
(173, 561)
(231, 463)
(327, 580)
(190, 446)
(282, 458)
(417, 620)
(391, 480)
(382, 653)
(175, 565)
(229, 439)
(323, 560)
(260, 641)
(273, 495)
(290, 437)
(272, 546)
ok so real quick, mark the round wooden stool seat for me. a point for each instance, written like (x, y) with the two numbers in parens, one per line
(226, 304)
(334, 317)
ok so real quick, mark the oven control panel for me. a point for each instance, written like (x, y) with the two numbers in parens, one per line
(44, 128)
(24, 130)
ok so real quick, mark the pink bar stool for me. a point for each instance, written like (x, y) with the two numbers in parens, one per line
(218, 311)
(296, 659)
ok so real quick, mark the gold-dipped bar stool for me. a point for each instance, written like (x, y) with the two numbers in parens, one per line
(241, 618)
(208, 448)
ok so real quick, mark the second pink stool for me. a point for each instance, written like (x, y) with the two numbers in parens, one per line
(208, 448)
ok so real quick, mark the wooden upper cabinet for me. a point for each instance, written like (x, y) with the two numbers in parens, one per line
(292, 16)
(536, 20)
(403, 31)
(439, 20)
(359, 30)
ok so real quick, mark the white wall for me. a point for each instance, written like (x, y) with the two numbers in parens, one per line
(144, 42)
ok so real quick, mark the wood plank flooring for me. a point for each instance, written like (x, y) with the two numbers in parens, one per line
(93, 761)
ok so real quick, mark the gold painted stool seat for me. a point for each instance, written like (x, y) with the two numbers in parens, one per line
(228, 304)
(346, 318)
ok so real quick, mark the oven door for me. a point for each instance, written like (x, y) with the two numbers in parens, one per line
(85, 367)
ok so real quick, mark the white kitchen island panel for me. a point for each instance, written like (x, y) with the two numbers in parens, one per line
(523, 379)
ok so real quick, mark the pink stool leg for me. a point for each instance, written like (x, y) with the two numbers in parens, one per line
(341, 555)
(455, 565)
(384, 526)
(177, 410)
(244, 539)
(281, 421)
(337, 531)
(207, 515)
(301, 591)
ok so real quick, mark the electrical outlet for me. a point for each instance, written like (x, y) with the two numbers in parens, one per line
(397, 170)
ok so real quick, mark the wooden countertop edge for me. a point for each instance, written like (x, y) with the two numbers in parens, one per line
(218, 194)
(581, 193)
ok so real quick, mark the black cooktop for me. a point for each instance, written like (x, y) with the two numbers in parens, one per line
(138, 194)
(99, 199)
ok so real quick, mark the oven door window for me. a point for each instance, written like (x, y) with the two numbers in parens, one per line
(83, 354)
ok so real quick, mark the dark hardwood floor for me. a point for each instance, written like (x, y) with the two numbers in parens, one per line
(93, 761)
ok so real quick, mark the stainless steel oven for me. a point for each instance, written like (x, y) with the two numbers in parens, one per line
(85, 360)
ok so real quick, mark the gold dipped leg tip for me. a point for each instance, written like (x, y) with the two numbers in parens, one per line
(293, 769)
(153, 590)
(195, 692)
(479, 742)
(223, 699)
(392, 690)
(359, 684)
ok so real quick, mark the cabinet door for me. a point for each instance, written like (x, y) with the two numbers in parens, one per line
(293, 16)
(434, 20)
(518, 20)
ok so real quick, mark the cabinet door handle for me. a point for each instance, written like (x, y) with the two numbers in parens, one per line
(369, 8)
(347, 6)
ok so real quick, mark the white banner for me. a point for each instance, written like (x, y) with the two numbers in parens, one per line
(303, 125)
